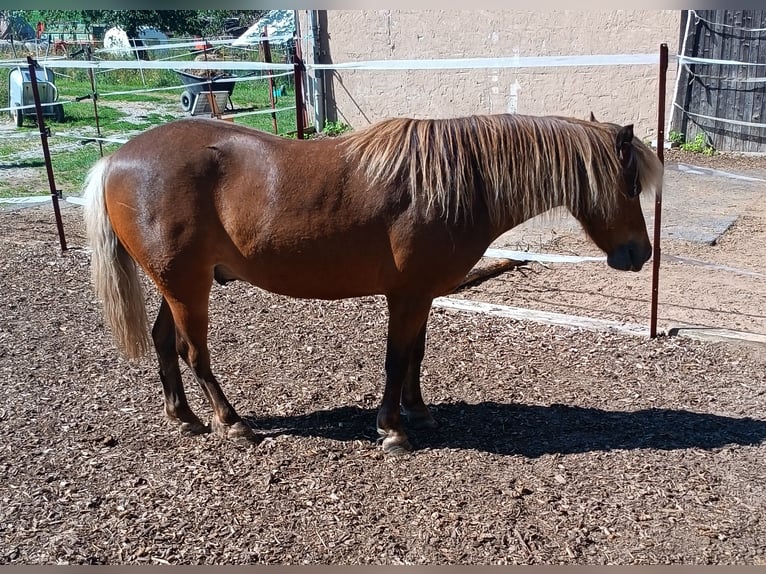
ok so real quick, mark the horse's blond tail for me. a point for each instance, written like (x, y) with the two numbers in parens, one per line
(113, 272)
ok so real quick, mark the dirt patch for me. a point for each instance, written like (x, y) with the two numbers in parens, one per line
(556, 445)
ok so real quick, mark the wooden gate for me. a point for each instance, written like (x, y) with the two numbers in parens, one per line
(722, 78)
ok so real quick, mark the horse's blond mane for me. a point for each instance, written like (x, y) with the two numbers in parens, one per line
(522, 165)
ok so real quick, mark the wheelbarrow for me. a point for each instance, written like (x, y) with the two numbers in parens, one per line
(20, 94)
(221, 86)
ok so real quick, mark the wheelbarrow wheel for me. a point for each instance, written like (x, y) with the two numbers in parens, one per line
(58, 113)
(18, 117)
(187, 100)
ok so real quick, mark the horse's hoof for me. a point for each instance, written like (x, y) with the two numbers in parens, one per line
(395, 443)
(242, 433)
(188, 428)
(193, 429)
(395, 446)
(238, 431)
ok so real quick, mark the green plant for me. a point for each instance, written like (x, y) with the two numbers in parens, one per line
(333, 129)
(676, 138)
(698, 145)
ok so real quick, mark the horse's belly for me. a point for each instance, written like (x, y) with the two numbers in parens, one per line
(299, 277)
(337, 266)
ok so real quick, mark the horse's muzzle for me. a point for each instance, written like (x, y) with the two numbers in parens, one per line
(629, 256)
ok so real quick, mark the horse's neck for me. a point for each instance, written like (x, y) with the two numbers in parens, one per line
(520, 212)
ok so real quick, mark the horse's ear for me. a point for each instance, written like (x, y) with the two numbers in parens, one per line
(628, 159)
(593, 118)
(624, 144)
(625, 136)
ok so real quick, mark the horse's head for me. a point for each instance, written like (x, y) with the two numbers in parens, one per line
(620, 230)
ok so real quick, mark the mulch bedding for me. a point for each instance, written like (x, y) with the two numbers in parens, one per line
(556, 445)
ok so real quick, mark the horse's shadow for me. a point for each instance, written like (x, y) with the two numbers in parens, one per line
(533, 430)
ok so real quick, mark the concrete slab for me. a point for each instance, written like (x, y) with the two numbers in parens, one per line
(698, 229)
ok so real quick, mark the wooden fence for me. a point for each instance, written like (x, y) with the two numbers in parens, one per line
(724, 98)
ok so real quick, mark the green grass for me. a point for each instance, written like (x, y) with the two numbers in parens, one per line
(81, 114)
(71, 165)
(70, 168)
(24, 162)
(69, 171)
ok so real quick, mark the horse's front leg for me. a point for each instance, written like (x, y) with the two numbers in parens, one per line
(407, 319)
(413, 407)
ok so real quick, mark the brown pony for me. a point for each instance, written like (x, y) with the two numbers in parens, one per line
(402, 208)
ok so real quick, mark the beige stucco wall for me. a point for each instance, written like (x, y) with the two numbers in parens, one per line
(621, 94)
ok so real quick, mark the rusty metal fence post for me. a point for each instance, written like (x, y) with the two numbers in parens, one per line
(44, 133)
(299, 119)
(657, 252)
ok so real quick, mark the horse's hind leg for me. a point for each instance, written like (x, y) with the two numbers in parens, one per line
(182, 348)
(176, 405)
(191, 324)
(417, 413)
